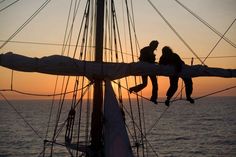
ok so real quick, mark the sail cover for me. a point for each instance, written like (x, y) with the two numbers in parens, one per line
(61, 65)
(116, 138)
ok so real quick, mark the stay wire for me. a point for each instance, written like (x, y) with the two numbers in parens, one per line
(75, 50)
(2, 1)
(207, 24)
(70, 33)
(173, 29)
(20, 115)
(130, 20)
(115, 25)
(157, 121)
(116, 33)
(216, 92)
(68, 39)
(49, 117)
(63, 124)
(88, 106)
(119, 84)
(61, 103)
(83, 22)
(26, 22)
(145, 137)
(76, 6)
(8, 5)
(88, 109)
(131, 46)
(219, 41)
(41, 43)
(66, 29)
(140, 109)
(141, 96)
(84, 42)
(78, 102)
(41, 95)
(122, 52)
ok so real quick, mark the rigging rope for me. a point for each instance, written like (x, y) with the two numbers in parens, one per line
(8, 5)
(158, 119)
(216, 92)
(62, 125)
(156, 122)
(43, 95)
(126, 53)
(20, 115)
(50, 116)
(26, 22)
(142, 125)
(76, 6)
(219, 40)
(78, 102)
(141, 96)
(173, 29)
(61, 103)
(2, 1)
(140, 132)
(56, 83)
(140, 109)
(207, 24)
(131, 46)
(67, 25)
(213, 57)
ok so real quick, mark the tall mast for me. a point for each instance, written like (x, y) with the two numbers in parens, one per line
(97, 125)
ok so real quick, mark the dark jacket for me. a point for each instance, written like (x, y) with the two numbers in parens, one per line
(147, 55)
(171, 59)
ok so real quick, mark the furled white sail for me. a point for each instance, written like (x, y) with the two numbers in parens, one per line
(61, 65)
(115, 135)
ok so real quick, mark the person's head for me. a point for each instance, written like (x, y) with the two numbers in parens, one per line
(153, 44)
(166, 50)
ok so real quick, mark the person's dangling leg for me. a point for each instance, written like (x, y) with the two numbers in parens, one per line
(140, 86)
(154, 88)
(172, 89)
(188, 89)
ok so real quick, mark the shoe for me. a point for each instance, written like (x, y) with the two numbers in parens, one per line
(167, 102)
(190, 100)
(131, 90)
(153, 100)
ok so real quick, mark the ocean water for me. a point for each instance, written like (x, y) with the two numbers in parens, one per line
(204, 129)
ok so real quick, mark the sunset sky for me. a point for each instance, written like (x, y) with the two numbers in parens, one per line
(49, 27)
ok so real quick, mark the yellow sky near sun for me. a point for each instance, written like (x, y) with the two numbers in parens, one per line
(49, 27)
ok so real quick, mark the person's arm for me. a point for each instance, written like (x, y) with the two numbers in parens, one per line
(162, 60)
(152, 58)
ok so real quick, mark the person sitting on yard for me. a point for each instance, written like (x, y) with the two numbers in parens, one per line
(170, 58)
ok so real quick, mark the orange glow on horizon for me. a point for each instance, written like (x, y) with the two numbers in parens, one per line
(49, 27)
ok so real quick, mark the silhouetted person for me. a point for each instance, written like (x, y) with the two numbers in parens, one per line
(147, 55)
(170, 58)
